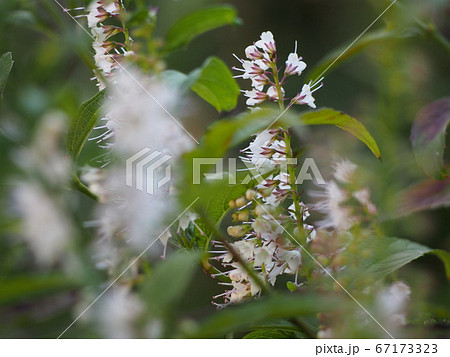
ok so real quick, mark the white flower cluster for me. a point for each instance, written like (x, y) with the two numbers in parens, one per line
(261, 68)
(260, 235)
(46, 225)
(332, 201)
(135, 121)
(107, 52)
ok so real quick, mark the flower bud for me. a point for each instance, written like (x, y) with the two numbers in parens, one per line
(243, 216)
(251, 194)
(232, 204)
(240, 202)
(236, 231)
(259, 210)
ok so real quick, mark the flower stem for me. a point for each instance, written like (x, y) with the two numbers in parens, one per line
(277, 85)
(293, 184)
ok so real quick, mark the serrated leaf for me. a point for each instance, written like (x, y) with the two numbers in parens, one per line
(82, 125)
(390, 254)
(216, 85)
(6, 63)
(190, 26)
(241, 317)
(428, 137)
(343, 121)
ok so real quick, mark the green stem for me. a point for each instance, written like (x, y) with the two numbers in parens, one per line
(236, 256)
(438, 38)
(303, 327)
(83, 188)
(277, 86)
(293, 184)
(430, 32)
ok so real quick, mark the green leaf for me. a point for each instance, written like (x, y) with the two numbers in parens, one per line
(227, 133)
(291, 286)
(6, 63)
(347, 51)
(343, 121)
(428, 137)
(189, 27)
(428, 194)
(167, 284)
(80, 128)
(82, 125)
(390, 254)
(270, 334)
(216, 85)
(18, 289)
(241, 317)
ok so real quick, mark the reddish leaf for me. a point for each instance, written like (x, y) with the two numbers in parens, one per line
(428, 137)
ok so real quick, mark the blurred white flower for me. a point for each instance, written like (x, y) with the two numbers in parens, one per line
(118, 312)
(344, 170)
(46, 156)
(135, 121)
(330, 202)
(95, 179)
(45, 227)
(363, 197)
(186, 219)
(391, 303)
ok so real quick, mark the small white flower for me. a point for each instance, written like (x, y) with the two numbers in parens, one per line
(239, 291)
(111, 7)
(263, 255)
(255, 97)
(186, 219)
(99, 34)
(305, 96)
(164, 237)
(293, 258)
(258, 82)
(272, 93)
(253, 53)
(267, 42)
(93, 16)
(294, 65)
(245, 248)
(268, 229)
